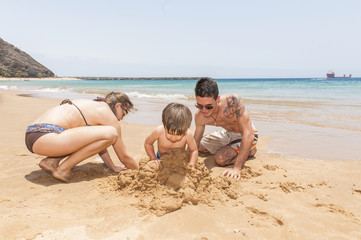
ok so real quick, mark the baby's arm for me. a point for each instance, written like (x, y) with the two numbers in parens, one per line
(149, 143)
(192, 149)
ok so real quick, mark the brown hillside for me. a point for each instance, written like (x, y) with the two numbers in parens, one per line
(16, 63)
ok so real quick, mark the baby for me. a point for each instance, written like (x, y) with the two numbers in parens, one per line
(174, 133)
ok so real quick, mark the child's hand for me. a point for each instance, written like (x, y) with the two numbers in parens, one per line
(155, 164)
(157, 161)
(192, 165)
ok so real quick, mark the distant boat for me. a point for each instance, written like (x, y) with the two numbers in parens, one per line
(331, 74)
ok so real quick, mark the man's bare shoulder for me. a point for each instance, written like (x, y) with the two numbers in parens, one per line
(231, 97)
(232, 106)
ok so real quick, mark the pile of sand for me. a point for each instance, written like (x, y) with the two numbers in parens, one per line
(166, 187)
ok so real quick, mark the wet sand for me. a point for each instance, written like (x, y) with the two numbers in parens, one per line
(277, 197)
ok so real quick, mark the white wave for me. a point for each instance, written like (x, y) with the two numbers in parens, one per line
(4, 87)
(159, 95)
(53, 90)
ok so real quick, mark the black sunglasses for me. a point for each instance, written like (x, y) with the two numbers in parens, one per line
(125, 110)
(208, 106)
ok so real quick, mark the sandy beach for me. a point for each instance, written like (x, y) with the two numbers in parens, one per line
(276, 198)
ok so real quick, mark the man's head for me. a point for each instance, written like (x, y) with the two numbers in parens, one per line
(207, 96)
(207, 87)
(176, 118)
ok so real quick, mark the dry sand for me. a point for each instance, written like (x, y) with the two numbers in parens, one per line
(276, 198)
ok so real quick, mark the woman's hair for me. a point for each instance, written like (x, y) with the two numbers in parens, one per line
(206, 87)
(117, 97)
(176, 118)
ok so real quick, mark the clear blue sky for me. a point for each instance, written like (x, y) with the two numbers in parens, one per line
(216, 38)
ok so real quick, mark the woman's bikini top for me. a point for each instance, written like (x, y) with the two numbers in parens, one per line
(71, 103)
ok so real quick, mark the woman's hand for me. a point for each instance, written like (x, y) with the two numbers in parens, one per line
(119, 168)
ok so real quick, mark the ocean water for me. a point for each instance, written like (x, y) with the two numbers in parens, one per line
(312, 118)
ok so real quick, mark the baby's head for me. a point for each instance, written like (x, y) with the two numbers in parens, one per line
(176, 118)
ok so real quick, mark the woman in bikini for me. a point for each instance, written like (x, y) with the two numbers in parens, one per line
(76, 130)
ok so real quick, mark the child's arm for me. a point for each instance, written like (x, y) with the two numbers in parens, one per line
(192, 149)
(149, 141)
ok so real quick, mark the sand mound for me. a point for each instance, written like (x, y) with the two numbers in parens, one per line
(166, 187)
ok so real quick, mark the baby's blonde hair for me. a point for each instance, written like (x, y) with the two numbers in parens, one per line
(176, 118)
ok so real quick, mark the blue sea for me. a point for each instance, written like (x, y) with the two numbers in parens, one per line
(311, 118)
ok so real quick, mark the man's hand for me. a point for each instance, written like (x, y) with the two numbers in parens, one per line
(233, 173)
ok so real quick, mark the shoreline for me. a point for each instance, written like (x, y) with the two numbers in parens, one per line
(95, 78)
(157, 111)
(310, 139)
(279, 197)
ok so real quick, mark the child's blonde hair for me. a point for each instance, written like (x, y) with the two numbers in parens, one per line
(176, 118)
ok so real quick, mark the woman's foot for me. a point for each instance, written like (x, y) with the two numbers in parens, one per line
(49, 164)
(61, 176)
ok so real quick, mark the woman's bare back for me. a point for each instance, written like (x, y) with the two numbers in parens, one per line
(71, 115)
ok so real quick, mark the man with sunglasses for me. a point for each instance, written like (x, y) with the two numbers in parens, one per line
(236, 141)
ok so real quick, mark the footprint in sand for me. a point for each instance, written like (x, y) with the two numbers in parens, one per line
(337, 209)
(22, 155)
(287, 187)
(6, 200)
(264, 216)
(270, 167)
(356, 191)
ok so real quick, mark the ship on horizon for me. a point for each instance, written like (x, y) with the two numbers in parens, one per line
(331, 74)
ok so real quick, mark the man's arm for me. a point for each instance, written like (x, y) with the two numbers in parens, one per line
(245, 126)
(235, 109)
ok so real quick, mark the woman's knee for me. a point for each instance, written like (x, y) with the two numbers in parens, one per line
(111, 134)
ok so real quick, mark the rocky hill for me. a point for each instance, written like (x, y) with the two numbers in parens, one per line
(16, 63)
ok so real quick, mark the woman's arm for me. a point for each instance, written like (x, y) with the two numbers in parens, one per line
(106, 117)
(108, 161)
(123, 156)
